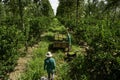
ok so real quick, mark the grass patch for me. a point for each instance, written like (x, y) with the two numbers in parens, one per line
(61, 65)
(35, 71)
(35, 68)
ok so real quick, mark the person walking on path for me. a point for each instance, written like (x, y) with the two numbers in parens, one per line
(49, 65)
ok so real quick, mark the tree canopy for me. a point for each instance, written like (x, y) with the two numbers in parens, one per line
(96, 23)
(21, 24)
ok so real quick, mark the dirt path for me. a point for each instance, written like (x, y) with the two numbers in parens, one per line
(21, 64)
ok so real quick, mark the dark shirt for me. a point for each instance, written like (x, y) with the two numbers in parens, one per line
(49, 65)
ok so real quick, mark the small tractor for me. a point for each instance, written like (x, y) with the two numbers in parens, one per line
(60, 41)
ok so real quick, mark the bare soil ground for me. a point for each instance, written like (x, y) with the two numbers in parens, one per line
(21, 64)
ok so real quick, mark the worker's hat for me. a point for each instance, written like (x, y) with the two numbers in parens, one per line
(48, 54)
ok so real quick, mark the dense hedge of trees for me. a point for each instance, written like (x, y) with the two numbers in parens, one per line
(21, 24)
(96, 23)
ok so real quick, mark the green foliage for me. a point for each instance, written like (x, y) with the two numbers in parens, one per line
(37, 27)
(9, 43)
(95, 23)
(77, 69)
(46, 8)
(105, 64)
(104, 41)
(67, 12)
(35, 69)
(21, 23)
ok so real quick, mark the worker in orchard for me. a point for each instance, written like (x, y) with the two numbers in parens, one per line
(49, 65)
(69, 39)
